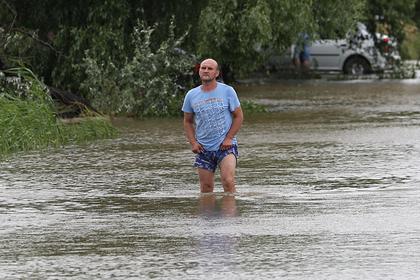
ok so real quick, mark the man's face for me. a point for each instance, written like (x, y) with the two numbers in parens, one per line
(208, 70)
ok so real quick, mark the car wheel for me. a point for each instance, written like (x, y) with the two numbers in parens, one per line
(357, 66)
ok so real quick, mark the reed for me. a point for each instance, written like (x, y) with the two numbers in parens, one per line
(28, 120)
(27, 125)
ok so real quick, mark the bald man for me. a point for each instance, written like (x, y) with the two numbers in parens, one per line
(212, 118)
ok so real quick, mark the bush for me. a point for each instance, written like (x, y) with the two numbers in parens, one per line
(250, 107)
(28, 120)
(152, 82)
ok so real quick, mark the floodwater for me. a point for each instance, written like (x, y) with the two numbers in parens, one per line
(328, 188)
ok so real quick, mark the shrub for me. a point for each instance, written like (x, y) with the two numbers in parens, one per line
(250, 107)
(152, 82)
(28, 120)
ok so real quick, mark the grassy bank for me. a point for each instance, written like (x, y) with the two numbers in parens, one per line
(31, 124)
(28, 119)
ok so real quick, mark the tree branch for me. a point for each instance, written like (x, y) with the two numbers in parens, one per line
(27, 33)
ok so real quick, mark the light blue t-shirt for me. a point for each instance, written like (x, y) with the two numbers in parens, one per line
(212, 114)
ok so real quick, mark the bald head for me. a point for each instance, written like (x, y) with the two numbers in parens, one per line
(210, 61)
(209, 70)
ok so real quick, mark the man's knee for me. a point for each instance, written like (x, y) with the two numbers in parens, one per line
(206, 180)
(228, 182)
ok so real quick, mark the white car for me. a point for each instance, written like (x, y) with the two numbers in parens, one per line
(339, 55)
(355, 55)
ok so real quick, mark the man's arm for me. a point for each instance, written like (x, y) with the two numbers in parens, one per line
(190, 133)
(238, 118)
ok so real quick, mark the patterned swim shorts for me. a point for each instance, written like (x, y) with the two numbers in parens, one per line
(209, 160)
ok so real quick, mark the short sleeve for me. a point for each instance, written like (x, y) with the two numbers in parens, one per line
(233, 100)
(186, 107)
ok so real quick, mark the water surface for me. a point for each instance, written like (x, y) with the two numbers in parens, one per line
(328, 188)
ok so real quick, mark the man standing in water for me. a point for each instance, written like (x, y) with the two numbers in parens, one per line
(212, 117)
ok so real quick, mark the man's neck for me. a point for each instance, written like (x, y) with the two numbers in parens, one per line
(209, 86)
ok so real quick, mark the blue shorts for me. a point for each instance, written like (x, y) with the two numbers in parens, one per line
(304, 56)
(209, 160)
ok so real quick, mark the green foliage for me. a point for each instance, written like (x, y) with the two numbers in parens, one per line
(391, 16)
(250, 107)
(88, 46)
(26, 124)
(416, 17)
(31, 124)
(333, 19)
(23, 84)
(102, 36)
(150, 83)
(22, 47)
(100, 55)
(231, 31)
(28, 121)
(235, 32)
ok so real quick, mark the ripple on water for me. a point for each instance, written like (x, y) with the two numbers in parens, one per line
(327, 190)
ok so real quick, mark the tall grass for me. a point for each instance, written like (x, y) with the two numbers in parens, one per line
(28, 120)
(25, 125)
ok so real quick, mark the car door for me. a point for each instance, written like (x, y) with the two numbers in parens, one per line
(327, 54)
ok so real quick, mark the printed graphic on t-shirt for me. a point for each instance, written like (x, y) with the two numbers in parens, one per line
(211, 116)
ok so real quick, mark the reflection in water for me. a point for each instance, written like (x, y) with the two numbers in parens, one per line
(216, 244)
(209, 206)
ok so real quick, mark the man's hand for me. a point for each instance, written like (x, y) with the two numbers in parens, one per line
(226, 144)
(197, 148)
(238, 117)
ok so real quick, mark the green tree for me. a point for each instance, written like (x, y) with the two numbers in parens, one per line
(150, 83)
(235, 31)
(416, 16)
(390, 16)
(101, 33)
(51, 36)
(333, 19)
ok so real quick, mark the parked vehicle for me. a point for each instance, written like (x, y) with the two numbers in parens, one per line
(359, 53)
(388, 47)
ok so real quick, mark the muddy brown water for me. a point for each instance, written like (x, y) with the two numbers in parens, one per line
(328, 188)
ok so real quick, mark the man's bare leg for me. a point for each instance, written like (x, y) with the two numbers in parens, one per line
(206, 180)
(227, 173)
